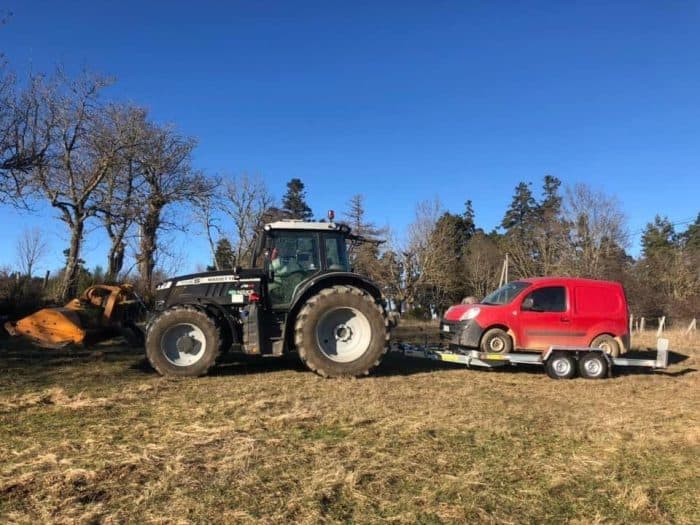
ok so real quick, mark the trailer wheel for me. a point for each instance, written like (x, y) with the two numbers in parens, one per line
(496, 341)
(593, 365)
(561, 366)
(183, 341)
(608, 344)
(341, 331)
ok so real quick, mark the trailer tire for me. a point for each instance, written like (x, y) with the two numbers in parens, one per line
(341, 332)
(183, 341)
(561, 366)
(593, 365)
(608, 344)
(496, 341)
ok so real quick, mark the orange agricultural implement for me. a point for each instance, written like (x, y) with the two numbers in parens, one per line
(101, 312)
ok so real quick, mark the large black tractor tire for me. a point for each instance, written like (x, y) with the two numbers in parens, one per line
(608, 344)
(183, 341)
(341, 332)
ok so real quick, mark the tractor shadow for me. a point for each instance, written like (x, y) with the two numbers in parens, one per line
(40, 365)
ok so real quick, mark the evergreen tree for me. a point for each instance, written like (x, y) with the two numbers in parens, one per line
(659, 237)
(522, 210)
(224, 258)
(294, 201)
(691, 237)
(469, 220)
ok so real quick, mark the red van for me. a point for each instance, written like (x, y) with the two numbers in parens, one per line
(533, 314)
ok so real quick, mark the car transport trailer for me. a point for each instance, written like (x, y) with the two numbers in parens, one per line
(560, 362)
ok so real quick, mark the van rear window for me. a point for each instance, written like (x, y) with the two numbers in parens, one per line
(596, 300)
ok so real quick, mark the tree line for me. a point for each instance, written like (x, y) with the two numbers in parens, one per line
(574, 231)
(109, 165)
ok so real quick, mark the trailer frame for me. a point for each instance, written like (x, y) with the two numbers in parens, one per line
(565, 356)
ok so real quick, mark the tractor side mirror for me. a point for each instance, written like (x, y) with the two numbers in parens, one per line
(267, 266)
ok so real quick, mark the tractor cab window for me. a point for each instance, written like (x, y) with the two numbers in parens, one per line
(336, 255)
(293, 257)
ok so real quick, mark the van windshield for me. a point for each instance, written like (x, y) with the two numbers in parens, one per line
(505, 294)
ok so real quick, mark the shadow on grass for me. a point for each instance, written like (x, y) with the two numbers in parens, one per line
(40, 363)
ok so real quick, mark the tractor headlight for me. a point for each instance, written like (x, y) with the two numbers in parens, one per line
(470, 314)
(164, 286)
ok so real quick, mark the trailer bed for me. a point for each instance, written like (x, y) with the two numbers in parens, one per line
(585, 359)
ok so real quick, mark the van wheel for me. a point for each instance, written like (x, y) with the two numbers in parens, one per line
(496, 341)
(561, 366)
(608, 344)
(593, 365)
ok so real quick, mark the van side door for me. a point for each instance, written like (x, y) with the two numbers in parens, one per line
(544, 318)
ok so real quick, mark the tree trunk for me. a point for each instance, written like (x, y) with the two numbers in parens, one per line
(69, 284)
(147, 262)
(115, 261)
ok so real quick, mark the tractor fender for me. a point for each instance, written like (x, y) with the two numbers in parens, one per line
(315, 285)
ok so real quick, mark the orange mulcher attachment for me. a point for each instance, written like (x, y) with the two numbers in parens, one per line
(101, 312)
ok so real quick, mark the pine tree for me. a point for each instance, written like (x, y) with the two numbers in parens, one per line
(522, 209)
(224, 258)
(659, 237)
(294, 201)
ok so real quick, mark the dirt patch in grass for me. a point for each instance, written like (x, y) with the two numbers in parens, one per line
(95, 437)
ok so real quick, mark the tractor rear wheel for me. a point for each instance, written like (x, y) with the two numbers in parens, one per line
(183, 342)
(341, 332)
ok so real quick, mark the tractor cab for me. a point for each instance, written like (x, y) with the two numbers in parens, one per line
(294, 251)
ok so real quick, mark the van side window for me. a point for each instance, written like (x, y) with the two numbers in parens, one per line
(548, 299)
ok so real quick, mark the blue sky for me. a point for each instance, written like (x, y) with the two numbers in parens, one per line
(400, 101)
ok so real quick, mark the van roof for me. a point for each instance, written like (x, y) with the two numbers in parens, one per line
(569, 280)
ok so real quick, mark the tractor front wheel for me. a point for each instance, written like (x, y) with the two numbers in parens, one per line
(183, 342)
(341, 331)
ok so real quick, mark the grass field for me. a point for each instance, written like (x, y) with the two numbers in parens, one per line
(96, 437)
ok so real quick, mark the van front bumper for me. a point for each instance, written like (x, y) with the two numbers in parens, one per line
(466, 334)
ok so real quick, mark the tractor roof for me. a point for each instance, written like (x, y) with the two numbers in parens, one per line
(306, 225)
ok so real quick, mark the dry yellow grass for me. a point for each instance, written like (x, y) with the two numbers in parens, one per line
(94, 437)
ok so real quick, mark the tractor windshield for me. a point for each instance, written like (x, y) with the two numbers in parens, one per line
(336, 254)
(505, 294)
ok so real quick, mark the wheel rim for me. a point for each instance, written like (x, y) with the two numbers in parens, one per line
(606, 346)
(343, 334)
(593, 367)
(496, 344)
(561, 366)
(183, 344)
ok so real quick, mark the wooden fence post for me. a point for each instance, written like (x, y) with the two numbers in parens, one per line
(641, 325)
(662, 322)
(691, 327)
(631, 322)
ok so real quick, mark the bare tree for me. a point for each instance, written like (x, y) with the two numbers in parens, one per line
(86, 143)
(430, 259)
(118, 203)
(31, 249)
(246, 202)
(25, 134)
(481, 265)
(598, 227)
(206, 210)
(165, 163)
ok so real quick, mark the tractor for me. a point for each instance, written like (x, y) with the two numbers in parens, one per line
(298, 295)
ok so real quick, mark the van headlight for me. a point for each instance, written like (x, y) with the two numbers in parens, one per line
(470, 314)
